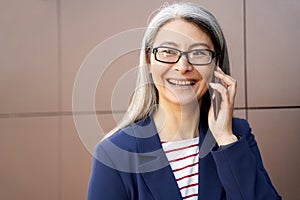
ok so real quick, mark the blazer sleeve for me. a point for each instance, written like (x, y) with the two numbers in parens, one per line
(240, 168)
(105, 182)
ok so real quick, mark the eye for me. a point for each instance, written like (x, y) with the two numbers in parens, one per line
(199, 52)
(167, 52)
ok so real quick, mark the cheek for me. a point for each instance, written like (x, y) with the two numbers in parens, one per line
(157, 69)
(206, 73)
(157, 73)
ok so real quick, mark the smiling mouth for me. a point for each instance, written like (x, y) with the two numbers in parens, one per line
(181, 82)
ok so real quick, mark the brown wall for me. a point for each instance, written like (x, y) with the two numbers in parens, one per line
(43, 43)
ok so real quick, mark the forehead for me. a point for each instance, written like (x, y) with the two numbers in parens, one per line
(182, 33)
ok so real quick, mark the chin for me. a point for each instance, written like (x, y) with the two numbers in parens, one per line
(183, 100)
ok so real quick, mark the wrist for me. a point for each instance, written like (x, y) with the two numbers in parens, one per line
(227, 139)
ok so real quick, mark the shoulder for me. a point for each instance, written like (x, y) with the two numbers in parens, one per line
(128, 137)
(118, 150)
(126, 148)
(122, 138)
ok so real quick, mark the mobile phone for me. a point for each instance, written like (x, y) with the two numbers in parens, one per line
(216, 98)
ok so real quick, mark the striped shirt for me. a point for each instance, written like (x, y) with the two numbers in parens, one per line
(183, 156)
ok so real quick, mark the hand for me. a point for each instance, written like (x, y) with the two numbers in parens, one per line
(221, 127)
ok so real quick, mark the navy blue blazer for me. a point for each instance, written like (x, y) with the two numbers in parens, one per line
(131, 165)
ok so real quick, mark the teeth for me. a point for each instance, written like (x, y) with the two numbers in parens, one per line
(182, 83)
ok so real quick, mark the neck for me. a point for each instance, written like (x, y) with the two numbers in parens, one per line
(177, 122)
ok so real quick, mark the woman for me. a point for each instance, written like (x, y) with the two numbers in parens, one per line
(162, 148)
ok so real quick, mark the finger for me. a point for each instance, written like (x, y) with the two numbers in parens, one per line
(226, 78)
(229, 82)
(223, 91)
(221, 71)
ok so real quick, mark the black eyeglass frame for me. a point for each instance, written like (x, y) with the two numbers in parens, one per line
(212, 53)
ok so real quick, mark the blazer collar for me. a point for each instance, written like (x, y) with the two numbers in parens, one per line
(157, 173)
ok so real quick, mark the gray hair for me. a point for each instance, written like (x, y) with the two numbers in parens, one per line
(145, 97)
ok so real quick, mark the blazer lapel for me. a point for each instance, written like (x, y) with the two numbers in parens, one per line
(153, 163)
(210, 186)
(162, 184)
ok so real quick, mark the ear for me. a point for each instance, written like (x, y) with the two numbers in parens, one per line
(148, 55)
(148, 60)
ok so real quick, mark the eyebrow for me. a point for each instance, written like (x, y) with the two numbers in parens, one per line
(192, 46)
(169, 43)
(200, 44)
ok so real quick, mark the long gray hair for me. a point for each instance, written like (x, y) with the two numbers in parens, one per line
(145, 97)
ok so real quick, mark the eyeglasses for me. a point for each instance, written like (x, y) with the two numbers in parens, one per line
(194, 57)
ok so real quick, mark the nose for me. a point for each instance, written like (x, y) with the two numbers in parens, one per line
(183, 65)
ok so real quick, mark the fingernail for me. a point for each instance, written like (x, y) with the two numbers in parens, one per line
(217, 73)
(213, 85)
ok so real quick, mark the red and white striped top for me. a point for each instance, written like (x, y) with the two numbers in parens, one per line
(183, 156)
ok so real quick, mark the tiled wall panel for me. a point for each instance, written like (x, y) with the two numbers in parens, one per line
(29, 79)
(29, 152)
(277, 134)
(75, 163)
(273, 48)
(86, 25)
(240, 113)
